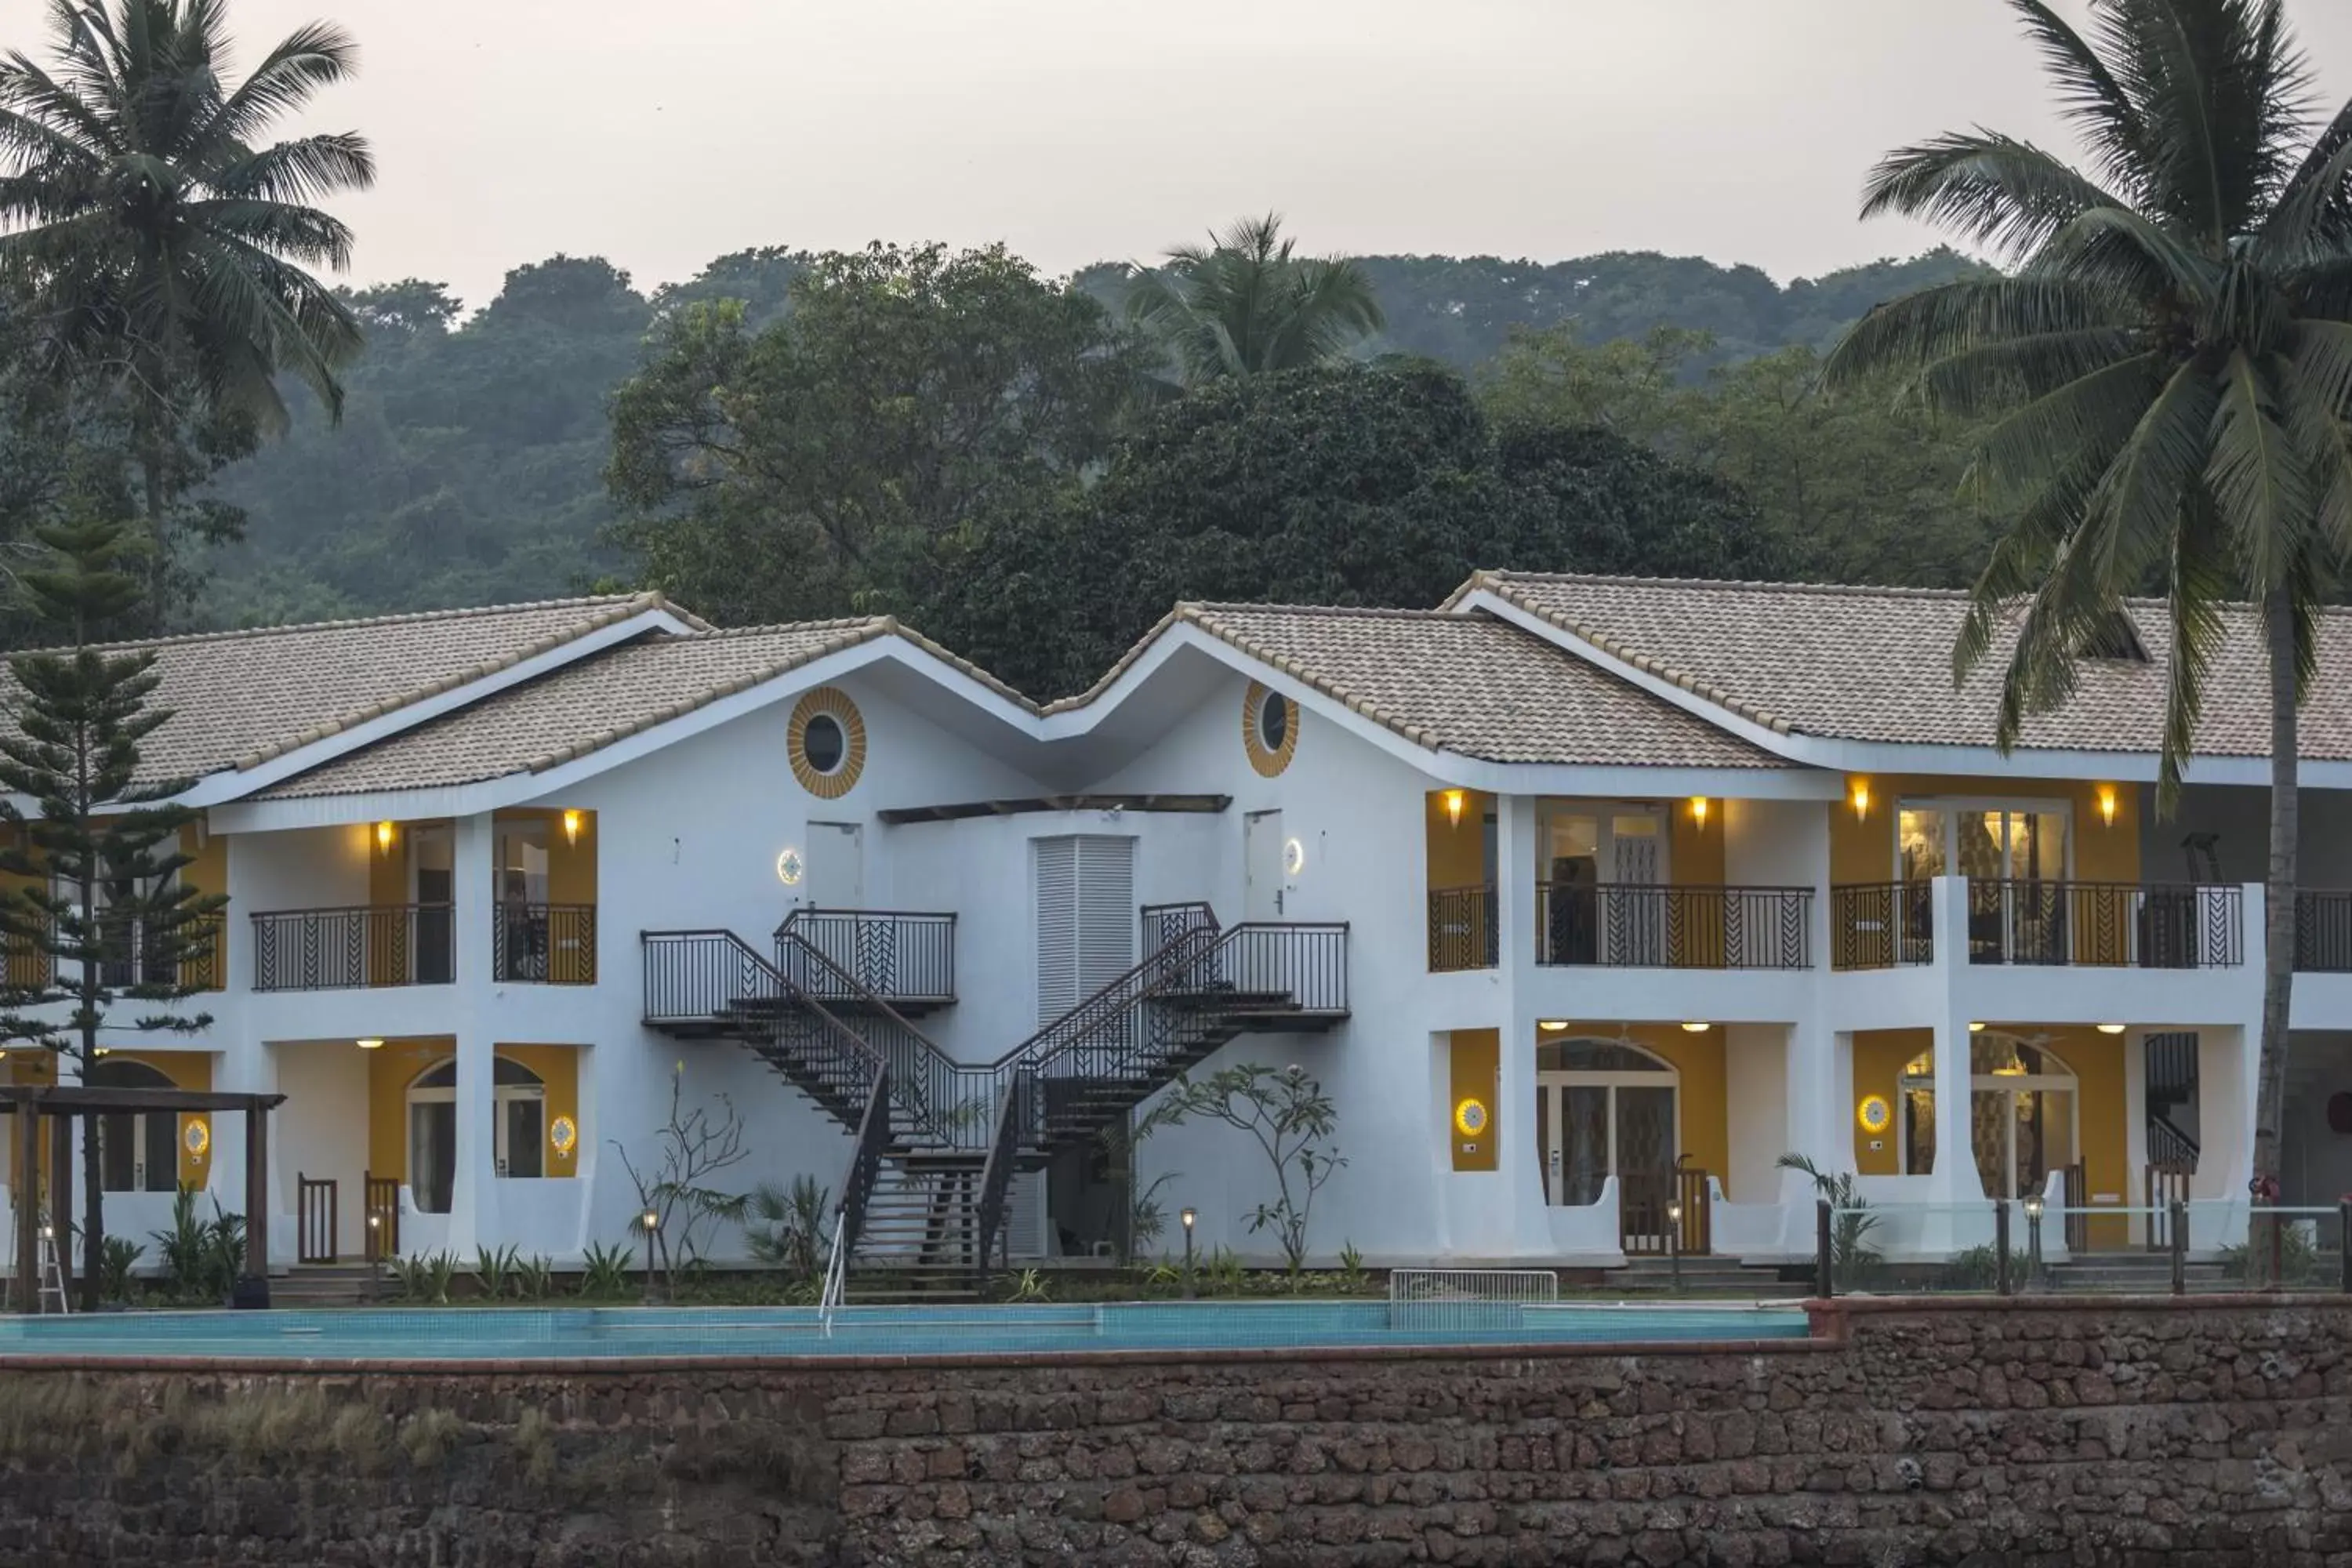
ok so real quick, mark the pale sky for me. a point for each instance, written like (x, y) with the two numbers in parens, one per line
(660, 133)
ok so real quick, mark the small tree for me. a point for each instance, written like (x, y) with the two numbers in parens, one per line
(1293, 1121)
(690, 1148)
(102, 917)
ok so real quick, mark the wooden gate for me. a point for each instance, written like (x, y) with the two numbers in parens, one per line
(315, 1219)
(1646, 1222)
(2077, 1191)
(2166, 1185)
(382, 1219)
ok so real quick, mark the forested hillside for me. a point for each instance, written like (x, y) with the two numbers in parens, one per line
(469, 466)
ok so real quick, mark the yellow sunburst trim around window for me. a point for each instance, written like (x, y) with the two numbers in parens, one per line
(827, 700)
(1269, 761)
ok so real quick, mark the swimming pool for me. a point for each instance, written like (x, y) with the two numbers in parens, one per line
(525, 1334)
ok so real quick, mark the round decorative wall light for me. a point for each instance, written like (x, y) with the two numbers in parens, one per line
(826, 739)
(195, 1138)
(563, 1135)
(1874, 1114)
(790, 868)
(1294, 856)
(1269, 729)
(1470, 1116)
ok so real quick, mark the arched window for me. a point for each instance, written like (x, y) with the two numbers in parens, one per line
(2023, 1107)
(1603, 1107)
(517, 1128)
(138, 1151)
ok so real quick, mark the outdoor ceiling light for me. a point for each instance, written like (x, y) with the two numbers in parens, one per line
(1976, 1026)
(1552, 1025)
(369, 1045)
(2111, 1028)
(1692, 1026)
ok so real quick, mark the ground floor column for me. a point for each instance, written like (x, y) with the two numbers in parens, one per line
(472, 1195)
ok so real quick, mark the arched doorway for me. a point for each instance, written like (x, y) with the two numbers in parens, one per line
(137, 1152)
(2023, 1114)
(518, 1122)
(1603, 1107)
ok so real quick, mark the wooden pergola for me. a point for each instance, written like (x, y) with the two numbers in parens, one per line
(27, 1104)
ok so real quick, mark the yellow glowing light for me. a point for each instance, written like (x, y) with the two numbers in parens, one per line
(1874, 1114)
(2108, 805)
(1976, 1028)
(1552, 1025)
(1861, 797)
(1696, 1028)
(1698, 809)
(369, 1045)
(383, 835)
(2111, 1028)
(572, 828)
(1453, 798)
(1470, 1117)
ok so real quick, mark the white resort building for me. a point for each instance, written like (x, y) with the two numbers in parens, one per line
(1586, 899)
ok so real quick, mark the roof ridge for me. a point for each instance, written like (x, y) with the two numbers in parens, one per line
(1759, 585)
(647, 599)
(1372, 611)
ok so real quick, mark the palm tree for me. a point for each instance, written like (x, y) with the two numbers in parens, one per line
(2171, 363)
(164, 249)
(1245, 305)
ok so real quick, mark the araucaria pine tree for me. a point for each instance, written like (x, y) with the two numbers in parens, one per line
(98, 916)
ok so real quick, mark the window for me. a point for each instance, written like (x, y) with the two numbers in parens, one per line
(2001, 843)
(1273, 721)
(138, 1151)
(2022, 1114)
(517, 1128)
(825, 745)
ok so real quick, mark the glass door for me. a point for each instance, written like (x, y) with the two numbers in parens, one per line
(433, 1153)
(521, 899)
(1602, 883)
(1602, 1108)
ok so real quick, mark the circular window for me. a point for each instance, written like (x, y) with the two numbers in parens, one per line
(824, 743)
(1269, 730)
(827, 743)
(1273, 721)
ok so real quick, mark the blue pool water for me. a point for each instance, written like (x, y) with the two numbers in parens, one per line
(571, 1333)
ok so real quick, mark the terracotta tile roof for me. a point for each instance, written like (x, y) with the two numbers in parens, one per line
(1875, 664)
(239, 699)
(1475, 686)
(580, 708)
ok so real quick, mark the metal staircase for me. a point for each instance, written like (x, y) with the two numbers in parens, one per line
(922, 1205)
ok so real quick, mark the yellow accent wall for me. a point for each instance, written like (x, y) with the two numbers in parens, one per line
(1694, 850)
(186, 1069)
(1457, 851)
(571, 867)
(1879, 1057)
(387, 869)
(394, 1068)
(1703, 1101)
(1862, 850)
(1476, 1074)
(208, 871)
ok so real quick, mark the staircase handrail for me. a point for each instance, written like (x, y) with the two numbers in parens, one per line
(1113, 999)
(865, 1169)
(836, 1276)
(1004, 1152)
(2162, 1131)
(927, 1067)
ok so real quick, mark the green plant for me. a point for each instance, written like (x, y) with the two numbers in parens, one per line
(412, 1275)
(1352, 1268)
(535, 1278)
(1030, 1287)
(1289, 1118)
(440, 1273)
(200, 1257)
(1979, 1268)
(786, 1227)
(1147, 1217)
(2298, 1260)
(1163, 1277)
(690, 1148)
(122, 1255)
(1851, 1221)
(604, 1271)
(495, 1271)
(1222, 1273)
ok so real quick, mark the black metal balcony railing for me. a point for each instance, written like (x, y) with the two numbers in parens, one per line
(1463, 929)
(134, 959)
(1673, 926)
(2114, 925)
(2323, 931)
(904, 956)
(1881, 925)
(545, 944)
(338, 948)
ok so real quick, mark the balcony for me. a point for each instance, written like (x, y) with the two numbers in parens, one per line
(1628, 925)
(356, 947)
(850, 957)
(134, 961)
(2101, 925)
(543, 945)
(2323, 931)
(1461, 929)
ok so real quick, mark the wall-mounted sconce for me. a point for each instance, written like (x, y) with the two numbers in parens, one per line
(2108, 805)
(790, 868)
(1454, 799)
(198, 1138)
(1698, 809)
(572, 828)
(1860, 798)
(1294, 856)
(385, 834)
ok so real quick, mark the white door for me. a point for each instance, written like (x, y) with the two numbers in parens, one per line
(1085, 917)
(1262, 862)
(836, 866)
